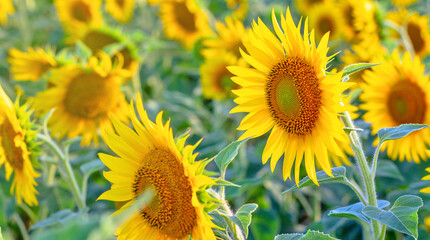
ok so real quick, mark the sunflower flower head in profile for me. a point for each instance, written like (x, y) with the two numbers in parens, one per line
(18, 149)
(84, 98)
(148, 157)
(287, 92)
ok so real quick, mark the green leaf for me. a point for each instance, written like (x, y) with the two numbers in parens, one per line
(225, 156)
(338, 173)
(91, 167)
(392, 133)
(402, 216)
(310, 235)
(354, 211)
(387, 168)
(265, 223)
(82, 50)
(221, 234)
(243, 217)
(221, 182)
(353, 68)
(57, 218)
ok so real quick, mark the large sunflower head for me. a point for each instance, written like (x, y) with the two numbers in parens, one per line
(286, 91)
(229, 39)
(148, 157)
(78, 15)
(18, 149)
(5, 9)
(215, 78)
(184, 21)
(84, 98)
(32, 65)
(121, 10)
(98, 38)
(325, 18)
(394, 93)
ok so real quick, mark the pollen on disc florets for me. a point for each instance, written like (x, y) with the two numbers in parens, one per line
(171, 210)
(293, 95)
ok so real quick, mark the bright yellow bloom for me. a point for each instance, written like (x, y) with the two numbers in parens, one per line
(18, 150)
(77, 16)
(240, 8)
(5, 9)
(84, 98)
(215, 78)
(121, 10)
(304, 6)
(403, 3)
(229, 39)
(426, 190)
(416, 28)
(325, 18)
(288, 93)
(184, 21)
(148, 157)
(98, 38)
(32, 65)
(396, 92)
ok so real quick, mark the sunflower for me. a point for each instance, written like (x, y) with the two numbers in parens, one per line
(184, 21)
(98, 38)
(84, 98)
(215, 78)
(149, 157)
(395, 93)
(325, 18)
(32, 65)
(121, 10)
(5, 9)
(78, 15)
(304, 6)
(288, 93)
(417, 29)
(240, 8)
(229, 39)
(18, 149)
(426, 190)
(403, 3)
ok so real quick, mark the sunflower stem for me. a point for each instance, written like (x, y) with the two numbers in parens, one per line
(382, 234)
(69, 176)
(357, 191)
(21, 226)
(364, 168)
(235, 230)
(375, 160)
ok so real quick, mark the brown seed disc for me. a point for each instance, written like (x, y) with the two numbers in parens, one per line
(13, 154)
(293, 96)
(171, 210)
(184, 17)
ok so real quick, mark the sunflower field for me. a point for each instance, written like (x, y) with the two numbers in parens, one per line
(214, 119)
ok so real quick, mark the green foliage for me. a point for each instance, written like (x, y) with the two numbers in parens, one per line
(309, 235)
(393, 133)
(387, 168)
(225, 156)
(338, 173)
(353, 68)
(243, 217)
(354, 211)
(402, 216)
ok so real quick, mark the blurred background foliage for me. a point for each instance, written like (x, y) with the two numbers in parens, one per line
(168, 79)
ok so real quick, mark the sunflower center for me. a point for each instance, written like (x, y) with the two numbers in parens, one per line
(120, 3)
(325, 24)
(223, 78)
(293, 95)
(90, 96)
(406, 103)
(184, 17)
(171, 210)
(414, 32)
(13, 154)
(81, 12)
